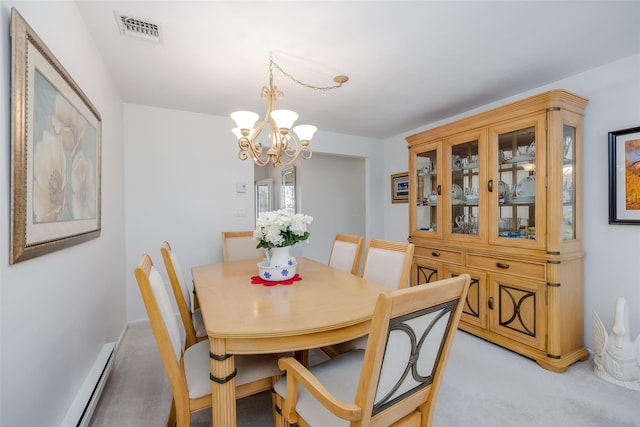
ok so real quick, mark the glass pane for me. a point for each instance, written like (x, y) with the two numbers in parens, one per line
(288, 189)
(263, 196)
(568, 181)
(465, 194)
(517, 184)
(427, 191)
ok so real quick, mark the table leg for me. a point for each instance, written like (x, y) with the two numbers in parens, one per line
(302, 356)
(223, 384)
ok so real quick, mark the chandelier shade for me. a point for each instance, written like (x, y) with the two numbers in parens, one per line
(284, 118)
(245, 119)
(284, 148)
(305, 132)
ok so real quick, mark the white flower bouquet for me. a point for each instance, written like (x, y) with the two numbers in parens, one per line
(281, 228)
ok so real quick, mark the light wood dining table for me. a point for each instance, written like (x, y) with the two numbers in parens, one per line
(326, 307)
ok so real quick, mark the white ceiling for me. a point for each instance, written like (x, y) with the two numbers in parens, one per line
(409, 63)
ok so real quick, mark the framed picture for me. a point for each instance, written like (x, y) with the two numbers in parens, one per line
(56, 149)
(624, 176)
(400, 187)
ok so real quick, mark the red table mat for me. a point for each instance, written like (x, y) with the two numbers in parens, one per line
(256, 280)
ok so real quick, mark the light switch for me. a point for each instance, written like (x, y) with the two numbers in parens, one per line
(241, 187)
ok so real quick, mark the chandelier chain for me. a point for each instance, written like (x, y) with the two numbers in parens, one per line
(272, 63)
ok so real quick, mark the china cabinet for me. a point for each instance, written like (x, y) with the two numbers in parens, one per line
(499, 196)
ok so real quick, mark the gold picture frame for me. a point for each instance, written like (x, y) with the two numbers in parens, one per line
(56, 152)
(400, 187)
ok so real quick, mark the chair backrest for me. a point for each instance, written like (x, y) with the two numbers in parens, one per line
(345, 252)
(388, 263)
(411, 335)
(238, 245)
(181, 290)
(166, 329)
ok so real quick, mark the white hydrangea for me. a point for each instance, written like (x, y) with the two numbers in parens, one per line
(281, 228)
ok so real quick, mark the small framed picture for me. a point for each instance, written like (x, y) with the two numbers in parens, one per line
(624, 176)
(400, 187)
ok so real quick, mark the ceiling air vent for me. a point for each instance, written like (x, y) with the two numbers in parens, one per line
(136, 27)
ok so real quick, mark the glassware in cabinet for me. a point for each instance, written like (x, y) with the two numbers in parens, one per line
(568, 182)
(464, 208)
(427, 190)
(519, 217)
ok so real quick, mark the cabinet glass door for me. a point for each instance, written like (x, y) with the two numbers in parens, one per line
(428, 191)
(517, 183)
(568, 183)
(465, 188)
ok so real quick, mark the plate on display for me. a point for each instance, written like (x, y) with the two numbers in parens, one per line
(456, 192)
(473, 165)
(526, 188)
(518, 159)
(503, 191)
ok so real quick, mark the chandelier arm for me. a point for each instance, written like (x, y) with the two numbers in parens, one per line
(248, 147)
(291, 147)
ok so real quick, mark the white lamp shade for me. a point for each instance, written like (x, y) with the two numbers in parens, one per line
(244, 119)
(284, 118)
(305, 132)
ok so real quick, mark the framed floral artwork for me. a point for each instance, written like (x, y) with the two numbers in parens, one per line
(624, 176)
(400, 187)
(56, 152)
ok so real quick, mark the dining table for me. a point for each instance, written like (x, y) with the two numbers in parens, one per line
(325, 307)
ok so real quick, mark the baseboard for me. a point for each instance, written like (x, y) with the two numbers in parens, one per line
(87, 397)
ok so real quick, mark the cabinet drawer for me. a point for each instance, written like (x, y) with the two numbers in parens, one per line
(454, 257)
(536, 270)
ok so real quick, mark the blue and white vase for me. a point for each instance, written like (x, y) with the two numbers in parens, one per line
(279, 257)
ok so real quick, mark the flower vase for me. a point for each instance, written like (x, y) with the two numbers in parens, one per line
(280, 257)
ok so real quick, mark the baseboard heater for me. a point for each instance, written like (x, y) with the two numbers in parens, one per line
(81, 410)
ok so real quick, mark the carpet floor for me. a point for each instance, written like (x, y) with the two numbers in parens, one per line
(484, 385)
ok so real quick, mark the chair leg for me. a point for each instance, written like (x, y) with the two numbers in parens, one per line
(171, 422)
(276, 403)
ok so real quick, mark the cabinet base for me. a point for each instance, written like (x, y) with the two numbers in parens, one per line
(561, 365)
(558, 365)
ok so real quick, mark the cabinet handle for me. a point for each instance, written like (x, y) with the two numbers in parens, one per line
(436, 254)
(502, 265)
(490, 186)
(439, 189)
(490, 303)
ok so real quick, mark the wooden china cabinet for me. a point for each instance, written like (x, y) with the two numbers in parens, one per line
(499, 196)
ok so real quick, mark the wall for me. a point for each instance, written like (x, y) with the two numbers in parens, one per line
(332, 190)
(612, 251)
(334, 194)
(181, 171)
(57, 310)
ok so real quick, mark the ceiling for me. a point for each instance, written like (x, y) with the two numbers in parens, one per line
(409, 63)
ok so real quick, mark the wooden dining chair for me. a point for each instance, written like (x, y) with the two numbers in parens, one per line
(191, 319)
(395, 381)
(345, 252)
(188, 367)
(238, 245)
(387, 263)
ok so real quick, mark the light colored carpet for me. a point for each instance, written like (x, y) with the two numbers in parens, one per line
(484, 385)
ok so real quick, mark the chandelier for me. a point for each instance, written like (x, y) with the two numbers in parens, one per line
(282, 142)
